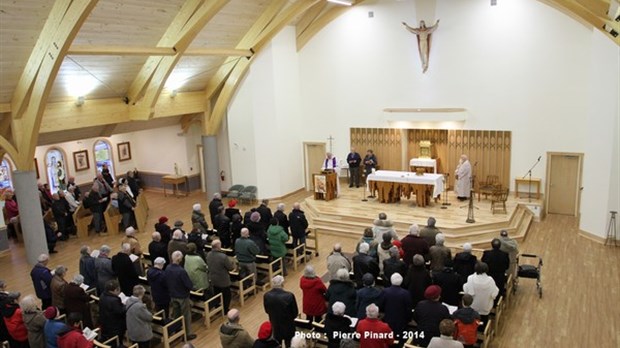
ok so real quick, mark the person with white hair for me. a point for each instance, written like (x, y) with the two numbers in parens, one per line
(179, 285)
(157, 248)
(372, 331)
(219, 267)
(463, 178)
(337, 325)
(364, 263)
(77, 300)
(103, 266)
(130, 237)
(245, 252)
(342, 289)
(464, 262)
(221, 223)
(331, 164)
(214, 206)
(313, 295)
(381, 226)
(440, 255)
(298, 342)
(178, 243)
(429, 231)
(157, 282)
(87, 266)
(417, 280)
(281, 307)
(125, 270)
(34, 320)
(126, 206)
(393, 265)
(298, 224)
(139, 318)
(58, 285)
(510, 246)
(198, 218)
(42, 279)
(232, 334)
(336, 260)
(280, 215)
(397, 304)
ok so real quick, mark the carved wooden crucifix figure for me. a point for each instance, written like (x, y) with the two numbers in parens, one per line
(424, 41)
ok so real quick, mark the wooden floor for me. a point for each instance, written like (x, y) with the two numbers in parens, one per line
(581, 281)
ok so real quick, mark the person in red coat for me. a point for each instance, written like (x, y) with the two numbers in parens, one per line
(373, 333)
(73, 337)
(313, 295)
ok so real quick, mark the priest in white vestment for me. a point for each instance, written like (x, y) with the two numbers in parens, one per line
(463, 178)
(331, 162)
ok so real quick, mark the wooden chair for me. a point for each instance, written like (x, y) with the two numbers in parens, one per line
(321, 337)
(110, 343)
(489, 186)
(82, 218)
(209, 308)
(499, 311)
(112, 219)
(296, 255)
(242, 287)
(313, 247)
(509, 290)
(498, 201)
(487, 335)
(164, 331)
(268, 269)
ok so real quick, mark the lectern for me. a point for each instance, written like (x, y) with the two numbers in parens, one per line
(325, 185)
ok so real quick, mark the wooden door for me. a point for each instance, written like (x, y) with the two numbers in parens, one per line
(314, 154)
(563, 183)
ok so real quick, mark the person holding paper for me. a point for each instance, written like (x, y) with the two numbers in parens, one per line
(77, 300)
(370, 162)
(463, 178)
(112, 312)
(123, 267)
(73, 336)
(331, 163)
(139, 319)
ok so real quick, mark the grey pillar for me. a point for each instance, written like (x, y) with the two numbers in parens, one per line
(212, 165)
(30, 217)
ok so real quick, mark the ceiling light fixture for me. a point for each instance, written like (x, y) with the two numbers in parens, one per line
(173, 93)
(79, 101)
(342, 2)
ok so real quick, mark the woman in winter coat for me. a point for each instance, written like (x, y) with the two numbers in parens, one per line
(313, 295)
(139, 319)
(34, 321)
(277, 242)
(342, 289)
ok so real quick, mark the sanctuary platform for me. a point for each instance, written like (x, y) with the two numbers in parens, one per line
(348, 215)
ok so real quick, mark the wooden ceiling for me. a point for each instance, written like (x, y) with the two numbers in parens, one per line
(127, 57)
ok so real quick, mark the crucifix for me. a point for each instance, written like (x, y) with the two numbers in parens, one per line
(330, 142)
(423, 34)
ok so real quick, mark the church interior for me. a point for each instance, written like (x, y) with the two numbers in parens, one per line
(201, 97)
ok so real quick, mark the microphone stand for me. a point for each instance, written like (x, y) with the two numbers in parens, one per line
(529, 184)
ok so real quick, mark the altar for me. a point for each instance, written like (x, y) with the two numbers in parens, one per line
(392, 185)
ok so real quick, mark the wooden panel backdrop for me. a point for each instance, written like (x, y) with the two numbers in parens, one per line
(491, 149)
(385, 142)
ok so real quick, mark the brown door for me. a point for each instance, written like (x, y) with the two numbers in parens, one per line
(314, 156)
(564, 181)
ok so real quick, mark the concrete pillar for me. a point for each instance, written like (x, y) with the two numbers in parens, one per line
(25, 184)
(212, 165)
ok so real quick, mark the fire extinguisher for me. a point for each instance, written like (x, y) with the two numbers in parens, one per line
(222, 175)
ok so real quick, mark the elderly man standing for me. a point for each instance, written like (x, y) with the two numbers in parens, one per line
(219, 266)
(430, 231)
(281, 307)
(282, 218)
(413, 244)
(198, 218)
(103, 267)
(463, 178)
(298, 224)
(159, 289)
(42, 280)
(331, 163)
(440, 255)
(157, 248)
(336, 260)
(232, 334)
(245, 252)
(364, 263)
(214, 205)
(179, 285)
(130, 238)
(124, 269)
(511, 247)
(373, 332)
(354, 160)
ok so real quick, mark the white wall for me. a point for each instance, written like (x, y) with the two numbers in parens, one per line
(153, 150)
(520, 66)
(264, 122)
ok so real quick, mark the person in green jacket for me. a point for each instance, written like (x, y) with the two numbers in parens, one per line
(277, 238)
(196, 268)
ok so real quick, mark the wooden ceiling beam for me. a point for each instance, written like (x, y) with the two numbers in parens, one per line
(240, 69)
(5, 107)
(91, 50)
(64, 116)
(37, 79)
(586, 15)
(309, 17)
(190, 20)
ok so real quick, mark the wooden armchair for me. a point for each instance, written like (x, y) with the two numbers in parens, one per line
(209, 308)
(269, 269)
(489, 186)
(242, 287)
(166, 331)
(110, 343)
(498, 201)
(297, 255)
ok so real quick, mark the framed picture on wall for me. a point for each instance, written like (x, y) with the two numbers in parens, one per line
(80, 159)
(36, 167)
(124, 151)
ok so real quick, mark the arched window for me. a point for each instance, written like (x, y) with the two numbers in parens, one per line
(56, 170)
(5, 174)
(103, 155)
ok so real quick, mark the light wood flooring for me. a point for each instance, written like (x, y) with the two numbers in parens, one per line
(581, 281)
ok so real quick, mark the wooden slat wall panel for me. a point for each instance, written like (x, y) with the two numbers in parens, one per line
(385, 142)
(439, 140)
(490, 149)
